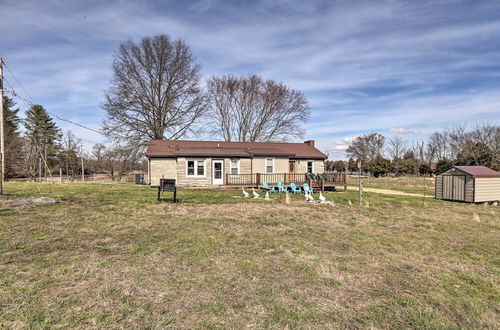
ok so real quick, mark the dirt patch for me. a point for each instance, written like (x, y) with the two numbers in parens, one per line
(389, 192)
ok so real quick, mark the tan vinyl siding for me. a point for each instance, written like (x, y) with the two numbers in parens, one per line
(318, 165)
(280, 164)
(487, 190)
(245, 165)
(439, 187)
(162, 168)
(184, 180)
(469, 189)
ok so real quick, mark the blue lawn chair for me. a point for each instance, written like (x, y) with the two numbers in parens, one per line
(307, 188)
(281, 187)
(294, 188)
(268, 187)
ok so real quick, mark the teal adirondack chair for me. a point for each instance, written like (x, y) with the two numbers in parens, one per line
(281, 187)
(307, 188)
(294, 188)
(268, 187)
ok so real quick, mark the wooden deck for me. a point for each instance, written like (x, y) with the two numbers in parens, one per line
(320, 181)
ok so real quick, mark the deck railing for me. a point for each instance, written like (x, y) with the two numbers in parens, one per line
(256, 179)
(271, 178)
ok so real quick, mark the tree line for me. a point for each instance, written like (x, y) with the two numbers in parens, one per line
(43, 149)
(453, 146)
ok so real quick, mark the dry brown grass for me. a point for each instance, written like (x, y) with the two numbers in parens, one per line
(110, 256)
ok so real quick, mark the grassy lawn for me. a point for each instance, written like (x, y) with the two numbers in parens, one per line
(111, 256)
(418, 185)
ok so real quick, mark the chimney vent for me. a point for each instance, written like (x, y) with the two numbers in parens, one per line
(310, 142)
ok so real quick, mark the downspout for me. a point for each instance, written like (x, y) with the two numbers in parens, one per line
(149, 171)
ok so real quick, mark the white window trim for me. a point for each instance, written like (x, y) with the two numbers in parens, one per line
(265, 166)
(307, 165)
(231, 166)
(196, 168)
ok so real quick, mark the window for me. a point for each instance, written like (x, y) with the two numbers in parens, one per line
(235, 166)
(195, 168)
(269, 165)
(310, 166)
(201, 168)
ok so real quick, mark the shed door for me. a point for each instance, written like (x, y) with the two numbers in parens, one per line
(459, 187)
(454, 187)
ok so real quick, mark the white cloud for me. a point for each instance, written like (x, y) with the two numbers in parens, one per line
(400, 130)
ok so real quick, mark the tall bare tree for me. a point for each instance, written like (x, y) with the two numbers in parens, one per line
(115, 160)
(155, 91)
(68, 156)
(396, 147)
(252, 109)
(366, 147)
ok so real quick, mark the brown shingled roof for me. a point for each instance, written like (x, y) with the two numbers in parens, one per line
(177, 148)
(479, 171)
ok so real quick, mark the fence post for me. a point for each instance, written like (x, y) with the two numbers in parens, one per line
(345, 179)
(227, 178)
(258, 179)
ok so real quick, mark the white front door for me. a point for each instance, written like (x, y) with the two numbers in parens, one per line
(218, 172)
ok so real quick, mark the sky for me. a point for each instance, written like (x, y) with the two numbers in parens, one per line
(404, 68)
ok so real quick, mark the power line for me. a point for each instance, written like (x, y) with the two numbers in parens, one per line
(13, 75)
(31, 102)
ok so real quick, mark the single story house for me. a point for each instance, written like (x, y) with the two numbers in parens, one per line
(206, 163)
(473, 184)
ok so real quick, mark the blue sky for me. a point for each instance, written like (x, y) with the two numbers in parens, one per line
(394, 67)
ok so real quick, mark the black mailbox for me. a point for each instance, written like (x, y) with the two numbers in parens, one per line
(167, 185)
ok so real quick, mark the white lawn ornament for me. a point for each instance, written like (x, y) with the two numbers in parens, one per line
(245, 194)
(322, 198)
(267, 196)
(255, 194)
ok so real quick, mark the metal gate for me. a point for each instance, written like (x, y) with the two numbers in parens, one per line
(454, 187)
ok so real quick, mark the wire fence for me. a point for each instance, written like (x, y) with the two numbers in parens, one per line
(87, 178)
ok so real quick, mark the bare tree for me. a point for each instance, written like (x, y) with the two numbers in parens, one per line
(366, 147)
(252, 109)
(115, 161)
(439, 141)
(69, 153)
(155, 91)
(396, 147)
(479, 146)
(97, 157)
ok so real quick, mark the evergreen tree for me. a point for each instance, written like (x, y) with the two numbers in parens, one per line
(380, 166)
(44, 139)
(13, 143)
(443, 165)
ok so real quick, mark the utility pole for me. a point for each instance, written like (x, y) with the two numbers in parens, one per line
(360, 188)
(83, 168)
(2, 150)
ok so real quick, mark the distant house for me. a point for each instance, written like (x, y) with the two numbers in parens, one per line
(206, 163)
(471, 184)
